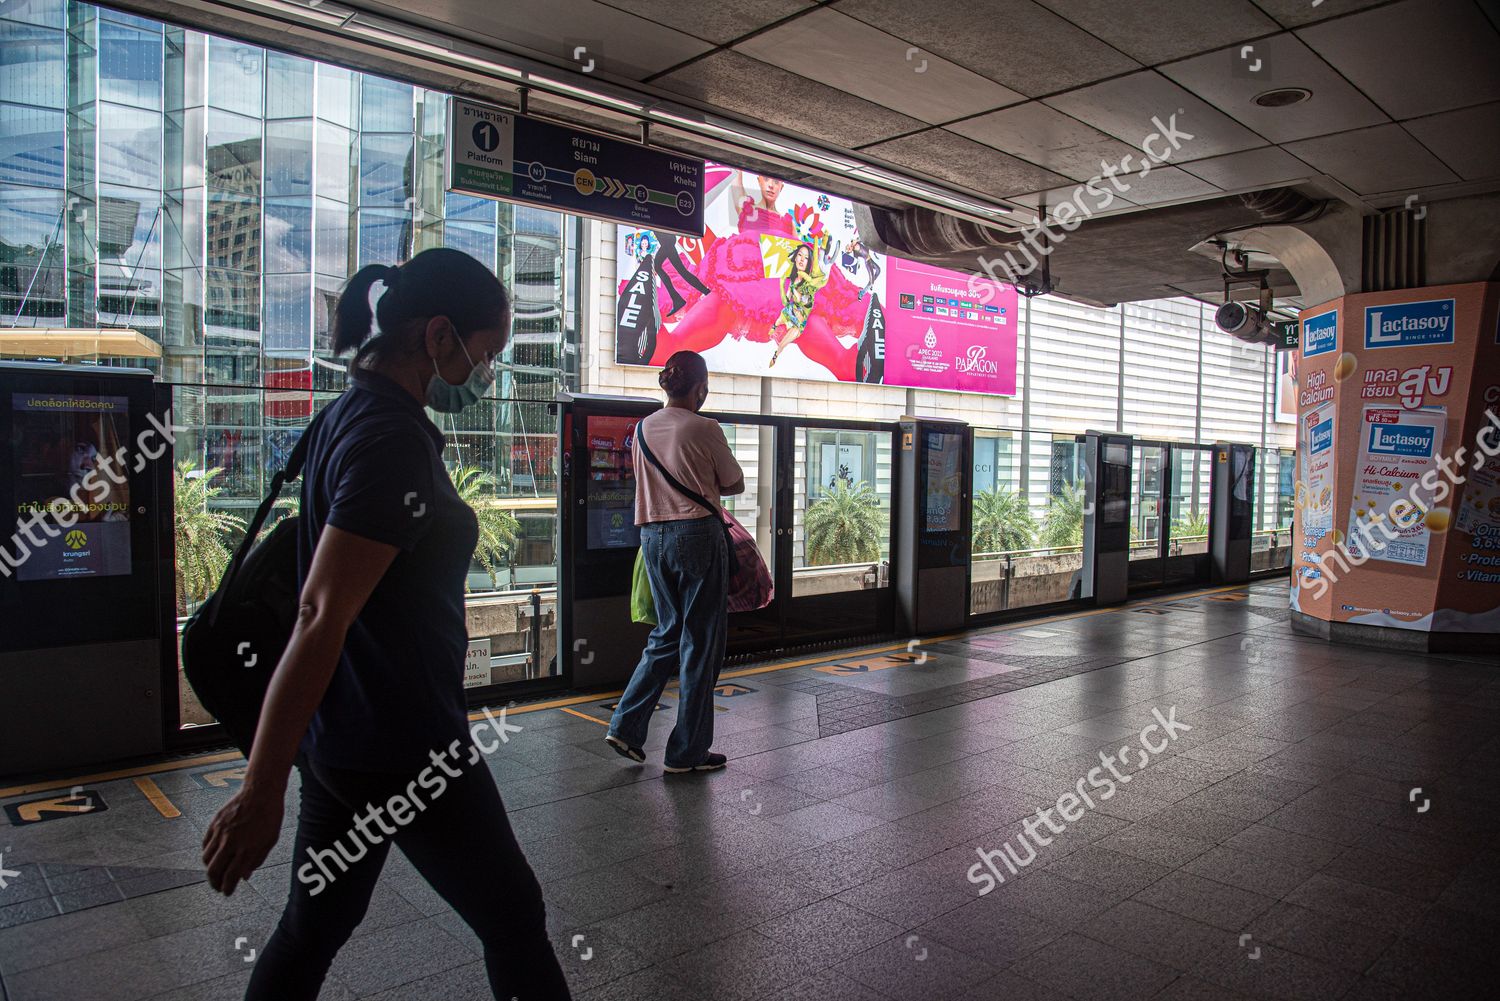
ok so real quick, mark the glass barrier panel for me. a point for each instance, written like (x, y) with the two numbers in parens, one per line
(754, 446)
(1188, 501)
(841, 531)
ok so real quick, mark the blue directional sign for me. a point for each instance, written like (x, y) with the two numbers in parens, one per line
(496, 153)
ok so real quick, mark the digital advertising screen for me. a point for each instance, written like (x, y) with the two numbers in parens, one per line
(781, 285)
(72, 493)
(945, 482)
(611, 487)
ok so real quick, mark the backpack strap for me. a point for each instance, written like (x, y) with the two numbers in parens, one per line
(290, 471)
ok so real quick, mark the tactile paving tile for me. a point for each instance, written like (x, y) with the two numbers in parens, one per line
(842, 708)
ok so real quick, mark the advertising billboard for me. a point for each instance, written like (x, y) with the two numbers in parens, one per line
(781, 285)
(60, 443)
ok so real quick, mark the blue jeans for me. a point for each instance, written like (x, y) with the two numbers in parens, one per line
(687, 563)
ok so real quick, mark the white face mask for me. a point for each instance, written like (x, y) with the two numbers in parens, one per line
(446, 398)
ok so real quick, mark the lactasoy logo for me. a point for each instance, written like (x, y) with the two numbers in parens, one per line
(1404, 324)
(1320, 334)
(1388, 439)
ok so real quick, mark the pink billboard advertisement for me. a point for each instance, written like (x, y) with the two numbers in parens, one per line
(781, 285)
(939, 335)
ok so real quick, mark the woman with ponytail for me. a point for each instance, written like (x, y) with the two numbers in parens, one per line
(368, 699)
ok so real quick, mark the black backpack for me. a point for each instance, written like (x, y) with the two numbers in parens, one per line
(233, 642)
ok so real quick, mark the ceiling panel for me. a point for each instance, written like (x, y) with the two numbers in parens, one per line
(1372, 161)
(1125, 107)
(619, 44)
(1415, 58)
(1154, 31)
(1254, 168)
(1046, 137)
(717, 22)
(1298, 12)
(1071, 193)
(1164, 184)
(851, 55)
(1230, 78)
(965, 163)
(1466, 140)
(762, 92)
(1016, 42)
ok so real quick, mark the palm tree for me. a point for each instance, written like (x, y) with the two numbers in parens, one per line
(1194, 523)
(1063, 523)
(1002, 521)
(202, 547)
(498, 528)
(844, 526)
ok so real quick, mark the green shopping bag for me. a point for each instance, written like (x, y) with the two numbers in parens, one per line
(642, 605)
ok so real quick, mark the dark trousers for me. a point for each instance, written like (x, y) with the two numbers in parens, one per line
(462, 844)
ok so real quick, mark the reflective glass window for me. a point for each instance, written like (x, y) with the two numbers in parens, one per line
(335, 95)
(288, 314)
(33, 65)
(234, 76)
(289, 158)
(332, 240)
(385, 170)
(382, 236)
(233, 155)
(47, 13)
(288, 235)
(130, 63)
(31, 146)
(335, 159)
(289, 86)
(385, 106)
(234, 232)
(130, 146)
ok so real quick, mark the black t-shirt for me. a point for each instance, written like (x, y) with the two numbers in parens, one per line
(374, 468)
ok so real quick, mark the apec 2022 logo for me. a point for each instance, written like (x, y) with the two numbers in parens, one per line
(1320, 334)
(1405, 324)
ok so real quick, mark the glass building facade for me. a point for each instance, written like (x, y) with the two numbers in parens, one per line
(215, 196)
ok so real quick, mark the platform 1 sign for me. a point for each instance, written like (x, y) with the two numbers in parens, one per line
(496, 153)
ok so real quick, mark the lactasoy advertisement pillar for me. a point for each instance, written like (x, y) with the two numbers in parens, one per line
(1396, 533)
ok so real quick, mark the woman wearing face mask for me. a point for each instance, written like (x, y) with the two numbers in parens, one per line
(687, 562)
(368, 699)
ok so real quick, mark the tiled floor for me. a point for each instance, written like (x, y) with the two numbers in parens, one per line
(1326, 829)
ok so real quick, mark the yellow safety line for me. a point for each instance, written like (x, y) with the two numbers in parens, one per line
(123, 773)
(591, 719)
(158, 798)
(579, 700)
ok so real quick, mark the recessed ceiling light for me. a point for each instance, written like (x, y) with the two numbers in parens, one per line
(1283, 97)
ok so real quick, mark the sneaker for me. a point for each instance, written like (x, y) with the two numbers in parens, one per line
(712, 763)
(624, 750)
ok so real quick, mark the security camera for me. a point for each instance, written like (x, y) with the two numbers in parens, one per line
(1245, 322)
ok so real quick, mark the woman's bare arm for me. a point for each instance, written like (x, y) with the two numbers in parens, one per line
(345, 570)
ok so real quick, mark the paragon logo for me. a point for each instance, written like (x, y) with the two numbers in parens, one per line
(1399, 325)
(975, 362)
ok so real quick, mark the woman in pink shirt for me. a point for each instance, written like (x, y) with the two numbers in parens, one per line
(687, 563)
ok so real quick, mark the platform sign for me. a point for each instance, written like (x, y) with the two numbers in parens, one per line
(496, 153)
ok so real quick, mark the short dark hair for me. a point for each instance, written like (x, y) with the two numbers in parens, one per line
(437, 282)
(683, 371)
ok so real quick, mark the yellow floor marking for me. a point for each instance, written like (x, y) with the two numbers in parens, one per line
(591, 719)
(578, 700)
(158, 798)
(124, 773)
